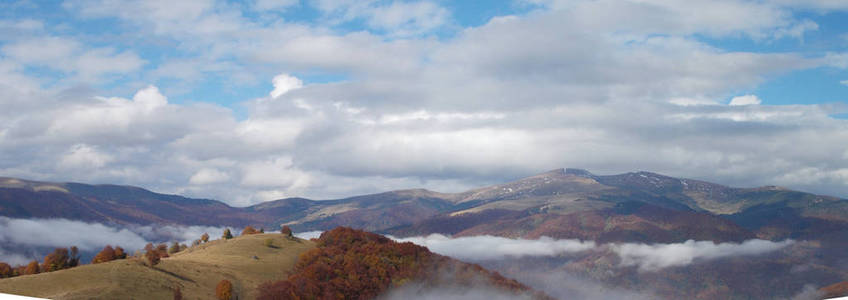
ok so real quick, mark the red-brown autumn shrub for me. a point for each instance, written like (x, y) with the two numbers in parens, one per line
(224, 290)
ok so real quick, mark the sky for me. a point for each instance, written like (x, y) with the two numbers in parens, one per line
(255, 100)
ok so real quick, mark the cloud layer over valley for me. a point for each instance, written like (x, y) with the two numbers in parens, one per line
(647, 257)
(18, 234)
(486, 247)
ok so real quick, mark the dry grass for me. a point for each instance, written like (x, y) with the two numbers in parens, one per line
(245, 261)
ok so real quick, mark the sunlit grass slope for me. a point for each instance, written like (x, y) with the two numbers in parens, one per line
(246, 261)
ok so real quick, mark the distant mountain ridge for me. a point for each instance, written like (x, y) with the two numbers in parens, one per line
(563, 203)
(636, 207)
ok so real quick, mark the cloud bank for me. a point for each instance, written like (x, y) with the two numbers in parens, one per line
(49, 233)
(646, 257)
(658, 256)
(488, 247)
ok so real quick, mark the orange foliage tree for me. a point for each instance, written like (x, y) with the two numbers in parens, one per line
(204, 238)
(107, 254)
(5, 270)
(32, 268)
(60, 259)
(120, 253)
(154, 254)
(224, 290)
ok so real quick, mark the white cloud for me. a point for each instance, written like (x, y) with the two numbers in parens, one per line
(414, 111)
(844, 82)
(65, 233)
(84, 156)
(409, 18)
(476, 248)
(263, 5)
(208, 176)
(28, 233)
(658, 256)
(308, 235)
(644, 256)
(284, 83)
(745, 100)
(71, 56)
(397, 18)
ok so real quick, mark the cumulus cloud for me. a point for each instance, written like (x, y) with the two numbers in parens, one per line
(635, 89)
(284, 83)
(844, 82)
(487, 247)
(658, 256)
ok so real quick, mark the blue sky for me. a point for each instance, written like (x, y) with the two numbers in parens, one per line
(253, 100)
(818, 85)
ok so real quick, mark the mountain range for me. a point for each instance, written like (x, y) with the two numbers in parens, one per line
(562, 203)
(639, 208)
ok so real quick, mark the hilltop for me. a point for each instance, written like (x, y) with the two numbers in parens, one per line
(245, 261)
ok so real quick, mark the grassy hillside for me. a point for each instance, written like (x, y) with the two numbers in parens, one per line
(245, 261)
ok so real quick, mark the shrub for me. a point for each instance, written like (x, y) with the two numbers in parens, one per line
(249, 230)
(224, 290)
(175, 247)
(152, 257)
(287, 231)
(154, 254)
(227, 234)
(205, 237)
